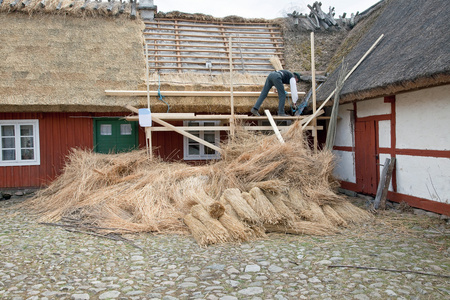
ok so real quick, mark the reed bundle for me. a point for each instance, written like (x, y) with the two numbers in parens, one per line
(259, 185)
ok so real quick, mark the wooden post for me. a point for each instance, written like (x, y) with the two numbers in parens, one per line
(148, 141)
(147, 77)
(232, 120)
(148, 130)
(313, 74)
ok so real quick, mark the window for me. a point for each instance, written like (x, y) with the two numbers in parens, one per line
(19, 143)
(193, 150)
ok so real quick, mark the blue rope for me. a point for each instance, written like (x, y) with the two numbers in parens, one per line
(161, 97)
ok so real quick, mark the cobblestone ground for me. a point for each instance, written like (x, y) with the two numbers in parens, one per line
(47, 262)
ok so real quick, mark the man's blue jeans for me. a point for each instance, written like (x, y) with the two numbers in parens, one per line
(274, 79)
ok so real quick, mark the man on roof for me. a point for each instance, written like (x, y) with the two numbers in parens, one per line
(278, 79)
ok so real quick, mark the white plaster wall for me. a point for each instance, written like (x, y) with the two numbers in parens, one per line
(423, 119)
(345, 166)
(372, 107)
(424, 177)
(384, 134)
(344, 128)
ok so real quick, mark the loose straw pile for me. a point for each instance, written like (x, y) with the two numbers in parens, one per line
(259, 186)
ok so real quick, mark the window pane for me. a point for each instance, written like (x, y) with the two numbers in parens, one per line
(209, 150)
(194, 150)
(193, 123)
(125, 129)
(8, 142)
(27, 154)
(8, 130)
(26, 130)
(210, 137)
(9, 155)
(209, 124)
(105, 129)
(26, 142)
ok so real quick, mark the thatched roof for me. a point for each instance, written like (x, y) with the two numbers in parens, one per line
(413, 54)
(56, 62)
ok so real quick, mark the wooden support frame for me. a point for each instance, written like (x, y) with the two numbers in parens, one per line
(182, 132)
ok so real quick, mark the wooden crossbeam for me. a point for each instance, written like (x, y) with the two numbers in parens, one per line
(189, 93)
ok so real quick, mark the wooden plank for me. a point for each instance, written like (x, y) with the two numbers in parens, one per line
(222, 128)
(211, 36)
(211, 22)
(210, 41)
(383, 185)
(274, 126)
(165, 68)
(211, 31)
(219, 117)
(215, 46)
(188, 93)
(264, 57)
(213, 51)
(202, 63)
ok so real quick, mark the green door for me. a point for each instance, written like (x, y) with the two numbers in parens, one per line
(113, 135)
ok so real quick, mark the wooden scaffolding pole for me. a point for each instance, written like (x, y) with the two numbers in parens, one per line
(232, 120)
(148, 130)
(313, 74)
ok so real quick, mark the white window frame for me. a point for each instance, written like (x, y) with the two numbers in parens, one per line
(202, 155)
(19, 161)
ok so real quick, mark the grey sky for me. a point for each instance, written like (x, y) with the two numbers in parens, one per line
(267, 9)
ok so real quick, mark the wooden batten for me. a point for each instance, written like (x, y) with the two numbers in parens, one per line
(125, 93)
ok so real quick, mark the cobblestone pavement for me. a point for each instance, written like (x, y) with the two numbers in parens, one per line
(47, 262)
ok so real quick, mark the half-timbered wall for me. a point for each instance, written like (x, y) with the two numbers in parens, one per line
(412, 127)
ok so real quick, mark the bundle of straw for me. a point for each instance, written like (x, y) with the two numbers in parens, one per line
(243, 209)
(263, 207)
(215, 228)
(276, 63)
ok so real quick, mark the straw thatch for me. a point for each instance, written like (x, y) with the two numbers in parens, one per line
(128, 192)
(77, 8)
(413, 53)
(65, 63)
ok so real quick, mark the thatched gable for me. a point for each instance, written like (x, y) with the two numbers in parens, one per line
(49, 61)
(413, 54)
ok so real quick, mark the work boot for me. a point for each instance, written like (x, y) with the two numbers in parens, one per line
(255, 112)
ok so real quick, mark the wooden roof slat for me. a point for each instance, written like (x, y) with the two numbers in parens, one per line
(212, 41)
(213, 46)
(213, 31)
(213, 62)
(211, 51)
(210, 36)
(209, 57)
(219, 23)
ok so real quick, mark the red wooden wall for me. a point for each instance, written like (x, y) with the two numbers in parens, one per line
(58, 134)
